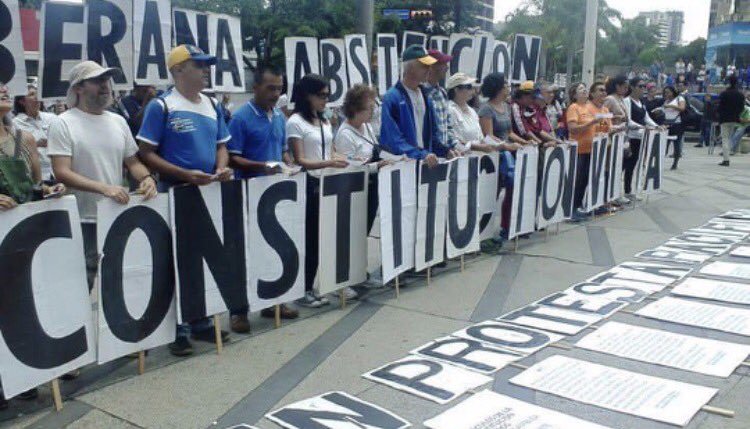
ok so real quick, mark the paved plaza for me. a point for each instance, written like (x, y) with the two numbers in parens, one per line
(330, 349)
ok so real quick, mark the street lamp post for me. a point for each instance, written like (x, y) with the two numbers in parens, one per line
(365, 23)
(589, 41)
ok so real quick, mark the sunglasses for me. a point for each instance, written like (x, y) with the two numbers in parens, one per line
(323, 95)
(466, 86)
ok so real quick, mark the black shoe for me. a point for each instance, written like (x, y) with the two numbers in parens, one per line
(699, 145)
(209, 336)
(724, 164)
(441, 265)
(3, 403)
(29, 395)
(674, 167)
(181, 347)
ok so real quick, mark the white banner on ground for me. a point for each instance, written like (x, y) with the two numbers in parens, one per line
(397, 195)
(209, 228)
(491, 194)
(12, 62)
(464, 57)
(342, 244)
(387, 51)
(669, 254)
(46, 323)
(727, 269)
(708, 316)
(463, 219)
(357, 59)
(660, 273)
(152, 31)
(335, 410)
(616, 157)
(429, 379)
(225, 36)
(550, 319)
(742, 252)
(701, 355)
(714, 290)
(596, 189)
(558, 184)
(276, 248)
(631, 292)
(582, 303)
(432, 207)
(628, 392)
(526, 53)
(488, 409)
(109, 38)
(523, 210)
(136, 277)
(519, 339)
(301, 59)
(736, 215)
(333, 67)
(62, 41)
(467, 353)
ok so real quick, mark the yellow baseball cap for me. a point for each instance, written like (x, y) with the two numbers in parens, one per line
(416, 52)
(182, 53)
(527, 86)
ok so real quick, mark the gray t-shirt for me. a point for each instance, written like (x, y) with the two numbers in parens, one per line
(501, 123)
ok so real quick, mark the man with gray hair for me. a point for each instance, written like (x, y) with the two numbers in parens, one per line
(89, 146)
(408, 118)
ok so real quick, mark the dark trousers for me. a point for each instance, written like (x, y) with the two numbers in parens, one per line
(372, 201)
(676, 130)
(582, 179)
(506, 208)
(629, 163)
(89, 250)
(311, 231)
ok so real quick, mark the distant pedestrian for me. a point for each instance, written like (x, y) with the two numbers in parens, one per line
(731, 105)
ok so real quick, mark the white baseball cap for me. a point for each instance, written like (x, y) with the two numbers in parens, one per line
(83, 71)
(459, 79)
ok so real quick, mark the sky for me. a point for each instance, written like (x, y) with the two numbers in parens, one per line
(696, 12)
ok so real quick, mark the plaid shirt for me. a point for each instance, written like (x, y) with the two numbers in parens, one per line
(439, 97)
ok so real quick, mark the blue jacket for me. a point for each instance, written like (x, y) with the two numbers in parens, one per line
(398, 133)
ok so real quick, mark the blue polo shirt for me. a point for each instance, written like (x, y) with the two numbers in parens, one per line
(256, 136)
(189, 136)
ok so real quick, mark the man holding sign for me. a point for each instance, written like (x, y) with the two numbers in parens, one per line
(409, 125)
(183, 138)
(89, 145)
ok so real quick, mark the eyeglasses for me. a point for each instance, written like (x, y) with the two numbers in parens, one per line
(466, 86)
(323, 95)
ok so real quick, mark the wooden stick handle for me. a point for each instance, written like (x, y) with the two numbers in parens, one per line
(745, 364)
(429, 275)
(718, 411)
(518, 365)
(561, 346)
(463, 263)
(217, 333)
(277, 316)
(141, 362)
(342, 298)
(56, 395)
(398, 287)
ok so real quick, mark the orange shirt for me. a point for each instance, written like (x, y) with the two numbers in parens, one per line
(582, 115)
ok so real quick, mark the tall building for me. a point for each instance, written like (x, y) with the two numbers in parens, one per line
(486, 14)
(723, 11)
(669, 24)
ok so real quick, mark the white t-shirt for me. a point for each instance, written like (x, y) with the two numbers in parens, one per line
(419, 108)
(39, 128)
(312, 145)
(353, 143)
(673, 115)
(465, 125)
(98, 146)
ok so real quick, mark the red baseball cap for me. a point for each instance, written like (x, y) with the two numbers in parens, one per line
(439, 56)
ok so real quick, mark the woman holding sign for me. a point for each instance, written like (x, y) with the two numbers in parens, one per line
(310, 138)
(586, 118)
(466, 128)
(638, 121)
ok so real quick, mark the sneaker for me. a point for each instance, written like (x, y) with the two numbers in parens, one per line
(724, 164)
(623, 201)
(601, 211)
(633, 197)
(29, 395)
(3, 403)
(309, 300)
(578, 216)
(209, 336)
(284, 312)
(181, 347)
(489, 246)
(440, 265)
(240, 324)
(699, 145)
(72, 375)
(350, 294)
(323, 300)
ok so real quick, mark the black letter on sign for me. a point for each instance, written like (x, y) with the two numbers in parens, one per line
(598, 159)
(653, 172)
(482, 53)
(461, 357)
(101, 48)
(184, 36)
(390, 373)
(360, 412)
(461, 44)
(636, 295)
(355, 43)
(535, 338)
(570, 181)
(530, 311)
(54, 50)
(278, 239)
(521, 190)
(431, 177)
(229, 64)
(462, 236)
(151, 34)
(343, 185)
(414, 39)
(580, 305)
(398, 257)
(387, 43)
(19, 321)
(330, 63)
(526, 58)
(120, 322)
(301, 61)
(198, 241)
(501, 51)
(7, 63)
(558, 155)
(487, 166)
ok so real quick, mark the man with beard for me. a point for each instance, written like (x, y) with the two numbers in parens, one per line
(183, 137)
(89, 145)
(257, 148)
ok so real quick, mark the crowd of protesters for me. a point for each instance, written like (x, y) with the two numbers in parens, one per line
(157, 140)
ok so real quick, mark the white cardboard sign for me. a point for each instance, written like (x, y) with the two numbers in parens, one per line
(709, 316)
(714, 290)
(520, 339)
(397, 195)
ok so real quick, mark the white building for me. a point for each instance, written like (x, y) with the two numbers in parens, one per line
(669, 24)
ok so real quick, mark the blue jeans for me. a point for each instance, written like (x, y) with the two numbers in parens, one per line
(737, 136)
(706, 133)
(200, 325)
